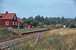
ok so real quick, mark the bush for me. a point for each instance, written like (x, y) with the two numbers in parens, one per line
(72, 26)
(4, 34)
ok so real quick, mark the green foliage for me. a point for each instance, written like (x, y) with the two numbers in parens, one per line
(72, 25)
(75, 19)
(48, 20)
(4, 33)
(55, 41)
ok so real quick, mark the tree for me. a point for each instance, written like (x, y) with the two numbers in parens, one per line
(46, 21)
(58, 20)
(30, 20)
(37, 18)
(75, 19)
(42, 19)
(25, 21)
(62, 19)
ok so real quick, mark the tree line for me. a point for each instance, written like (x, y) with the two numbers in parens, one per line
(48, 20)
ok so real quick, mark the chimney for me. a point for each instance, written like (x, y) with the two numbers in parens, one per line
(6, 12)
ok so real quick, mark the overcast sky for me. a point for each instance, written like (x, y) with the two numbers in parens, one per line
(49, 8)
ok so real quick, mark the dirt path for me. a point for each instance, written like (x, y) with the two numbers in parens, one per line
(39, 36)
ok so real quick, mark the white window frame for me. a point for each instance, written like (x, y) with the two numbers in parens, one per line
(7, 23)
(18, 24)
(13, 23)
(15, 18)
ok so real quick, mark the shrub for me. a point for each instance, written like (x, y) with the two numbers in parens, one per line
(4, 33)
(72, 26)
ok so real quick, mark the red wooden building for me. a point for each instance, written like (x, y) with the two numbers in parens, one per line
(29, 26)
(20, 23)
(10, 20)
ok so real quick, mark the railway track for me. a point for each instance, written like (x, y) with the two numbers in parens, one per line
(4, 43)
(35, 31)
(25, 34)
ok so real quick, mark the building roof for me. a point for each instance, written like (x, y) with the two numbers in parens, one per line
(19, 20)
(7, 15)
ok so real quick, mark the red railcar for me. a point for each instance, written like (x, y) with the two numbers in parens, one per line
(29, 26)
(56, 27)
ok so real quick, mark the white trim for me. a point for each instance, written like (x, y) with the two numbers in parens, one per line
(14, 18)
(13, 23)
(7, 23)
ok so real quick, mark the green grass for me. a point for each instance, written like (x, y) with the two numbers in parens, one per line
(19, 31)
(59, 39)
(5, 34)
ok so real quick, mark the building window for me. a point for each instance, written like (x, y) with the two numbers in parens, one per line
(0, 16)
(12, 23)
(18, 24)
(15, 23)
(15, 18)
(7, 23)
